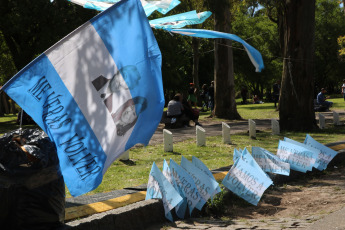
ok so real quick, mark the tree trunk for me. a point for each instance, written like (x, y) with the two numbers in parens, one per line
(196, 57)
(5, 103)
(224, 88)
(13, 107)
(1, 106)
(296, 27)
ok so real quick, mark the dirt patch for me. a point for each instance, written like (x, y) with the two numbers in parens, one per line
(313, 195)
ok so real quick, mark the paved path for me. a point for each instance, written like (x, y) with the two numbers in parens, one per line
(212, 128)
(243, 224)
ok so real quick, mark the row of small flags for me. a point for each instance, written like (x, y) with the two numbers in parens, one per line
(191, 184)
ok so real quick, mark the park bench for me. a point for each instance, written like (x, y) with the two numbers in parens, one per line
(318, 107)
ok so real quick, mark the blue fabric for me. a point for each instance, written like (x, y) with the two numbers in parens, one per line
(180, 20)
(41, 92)
(237, 154)
(247, 180)
(186, 185)
(172, 5)
(135, 43)
(315, 152)
(254, 55)
(170, 196)
(181, 207)
(270, 162)
(198, 163)
(326, 154)
(299, 158)
(206, 186)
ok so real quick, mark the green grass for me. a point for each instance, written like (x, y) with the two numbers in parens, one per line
(9, 123)
(214, 155)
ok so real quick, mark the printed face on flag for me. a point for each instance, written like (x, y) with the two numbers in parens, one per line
(96, 93)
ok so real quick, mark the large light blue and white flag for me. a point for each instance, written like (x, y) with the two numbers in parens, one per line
(247, 180)
(326, 154)
(170, 196)
(186, 185)
(181, 207)
(95, 4)
(299, 158)
(206, 186)
(315, 151)
(163, 6)
(199, 164)
(180, 20)
(270, 162)
(254, 55)
(96, 93)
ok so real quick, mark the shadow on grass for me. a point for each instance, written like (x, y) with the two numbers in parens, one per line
(128, 162)
(172, 153)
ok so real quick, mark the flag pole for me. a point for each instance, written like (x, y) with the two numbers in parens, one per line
(21, 121)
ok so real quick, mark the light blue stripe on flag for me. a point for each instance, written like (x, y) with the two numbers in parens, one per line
(315, 151)
(248, 158)
(247, 180)
(254, 55)
(237, 154)
(182, 206)
(172, 5)
(198, 163)
(270, 162)
(39, 90)
(326, 154)
(170, 196)
(299, 158)
(186, 184)
(180, 20)
(206, 186)
(93, 91)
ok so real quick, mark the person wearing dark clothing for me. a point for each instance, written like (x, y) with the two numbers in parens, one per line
(276, 92)
(321, 99)
(191, 95)
(192, 114)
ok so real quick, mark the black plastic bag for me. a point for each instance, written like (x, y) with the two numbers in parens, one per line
(32, 190)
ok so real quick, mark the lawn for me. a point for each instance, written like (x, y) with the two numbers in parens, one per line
(214, 155)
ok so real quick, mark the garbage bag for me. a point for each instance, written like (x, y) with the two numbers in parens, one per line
(32, 190)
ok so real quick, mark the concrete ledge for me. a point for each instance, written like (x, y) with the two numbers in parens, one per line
(139, 215)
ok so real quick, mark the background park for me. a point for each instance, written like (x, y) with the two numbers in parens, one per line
(302, 45)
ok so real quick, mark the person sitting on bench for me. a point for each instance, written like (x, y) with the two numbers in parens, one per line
(321, 99)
